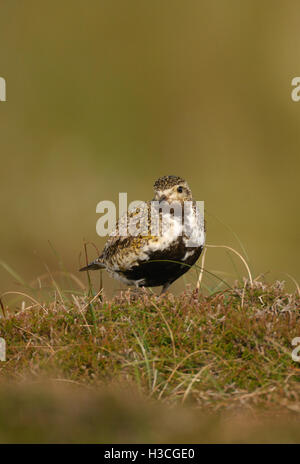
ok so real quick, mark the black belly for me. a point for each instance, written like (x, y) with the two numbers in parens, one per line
(162, 267)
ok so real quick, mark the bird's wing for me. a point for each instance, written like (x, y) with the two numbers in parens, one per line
(126, 248)
(127, 241)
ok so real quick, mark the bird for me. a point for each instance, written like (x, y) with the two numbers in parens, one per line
(147, 259)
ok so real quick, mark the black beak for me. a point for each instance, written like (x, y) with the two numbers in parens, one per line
(162, 198)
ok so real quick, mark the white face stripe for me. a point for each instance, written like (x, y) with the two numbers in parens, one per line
(166, 192)
(173, 195)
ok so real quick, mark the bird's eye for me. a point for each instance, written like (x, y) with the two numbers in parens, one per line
(179, 189)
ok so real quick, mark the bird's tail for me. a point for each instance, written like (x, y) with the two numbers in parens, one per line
(93, 266)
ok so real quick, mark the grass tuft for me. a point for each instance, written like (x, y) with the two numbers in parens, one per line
(232, 349)
(226, 356)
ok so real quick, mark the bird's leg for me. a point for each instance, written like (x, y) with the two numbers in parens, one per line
(165, 288)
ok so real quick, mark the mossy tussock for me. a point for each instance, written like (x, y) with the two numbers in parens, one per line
(226, 351)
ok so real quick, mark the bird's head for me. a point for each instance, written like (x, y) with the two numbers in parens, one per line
(172, 189)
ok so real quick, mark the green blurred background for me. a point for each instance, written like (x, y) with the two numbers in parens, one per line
(106, 96)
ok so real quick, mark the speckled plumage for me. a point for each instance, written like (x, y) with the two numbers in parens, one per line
(167, 182)
(152, 260)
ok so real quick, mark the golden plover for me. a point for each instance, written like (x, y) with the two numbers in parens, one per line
(147, 259)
